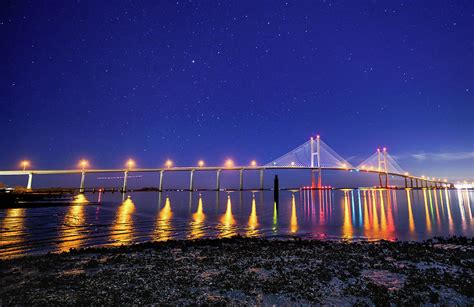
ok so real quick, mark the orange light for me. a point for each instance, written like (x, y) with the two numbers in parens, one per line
(25, 164)
(200, 163)
(406, 174)
(169, 163)
(130, 163)
(83, 164)
(253, 163)
(229, 163)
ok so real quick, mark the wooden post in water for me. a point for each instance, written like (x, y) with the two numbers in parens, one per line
(276, 190)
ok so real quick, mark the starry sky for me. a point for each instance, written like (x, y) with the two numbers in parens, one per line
(190, 80)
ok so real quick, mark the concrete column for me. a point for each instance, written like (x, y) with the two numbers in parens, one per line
(241, 179)
(261, 179)
(162, 174)
(411, 182)
(83, 178)
(320, 176)
(191, 180)
(125, 176)
(218, 180)
(406, 182)
(30, 181)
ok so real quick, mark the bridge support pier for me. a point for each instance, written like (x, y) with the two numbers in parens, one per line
(125, 177)
(383, 184)
(320, 176)
(160, 186)
(411, 182)
(83, 178)
(406, 182)
(191, 180)
(218, 180)
(30, 181)
(261, 179)
(241, 181)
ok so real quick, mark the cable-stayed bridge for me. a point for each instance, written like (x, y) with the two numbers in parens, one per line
(313, 155)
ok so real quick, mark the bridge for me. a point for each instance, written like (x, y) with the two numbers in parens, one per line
(314, 155)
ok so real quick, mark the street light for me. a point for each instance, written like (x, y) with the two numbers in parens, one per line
(200, 163)
(229, 163)
(169, 163)
(84, 163)
(130, 163)
(25, 164)
(253, 163)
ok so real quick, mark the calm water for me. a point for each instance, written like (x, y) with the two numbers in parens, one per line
(362, 214)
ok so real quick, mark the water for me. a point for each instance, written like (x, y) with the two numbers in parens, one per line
(107, 220)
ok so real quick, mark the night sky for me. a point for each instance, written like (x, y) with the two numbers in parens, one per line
(190, 80)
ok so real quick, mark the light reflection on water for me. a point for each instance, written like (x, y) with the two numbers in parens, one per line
(360, 213)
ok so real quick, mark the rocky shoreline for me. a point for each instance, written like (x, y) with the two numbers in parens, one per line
(246, 271)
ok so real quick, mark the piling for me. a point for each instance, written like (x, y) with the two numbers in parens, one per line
(276, 190)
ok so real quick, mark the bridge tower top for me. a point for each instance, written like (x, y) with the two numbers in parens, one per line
(313, 153)
(381, 161)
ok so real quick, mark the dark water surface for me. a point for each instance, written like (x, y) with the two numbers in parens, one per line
(351, 214)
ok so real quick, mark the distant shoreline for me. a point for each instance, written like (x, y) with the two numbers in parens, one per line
(247, 271)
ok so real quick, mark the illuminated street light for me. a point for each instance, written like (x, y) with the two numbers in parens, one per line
(200, 163)
(229, 163)
(169, 163)
(25, 164)
(406, 174)
(292, 163)
(253, 163)
(130, 163)
(83, 164)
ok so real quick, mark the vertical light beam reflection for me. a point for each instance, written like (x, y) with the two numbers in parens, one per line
(163, 229)
(347, 225)
(70, 235)
(252, 229)
(275, 218)
(427, 213)
(411, 221)
(360, 208)
(197, 224)
(448, 211)
(122, 229)
(227, 221)
(293, 217)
